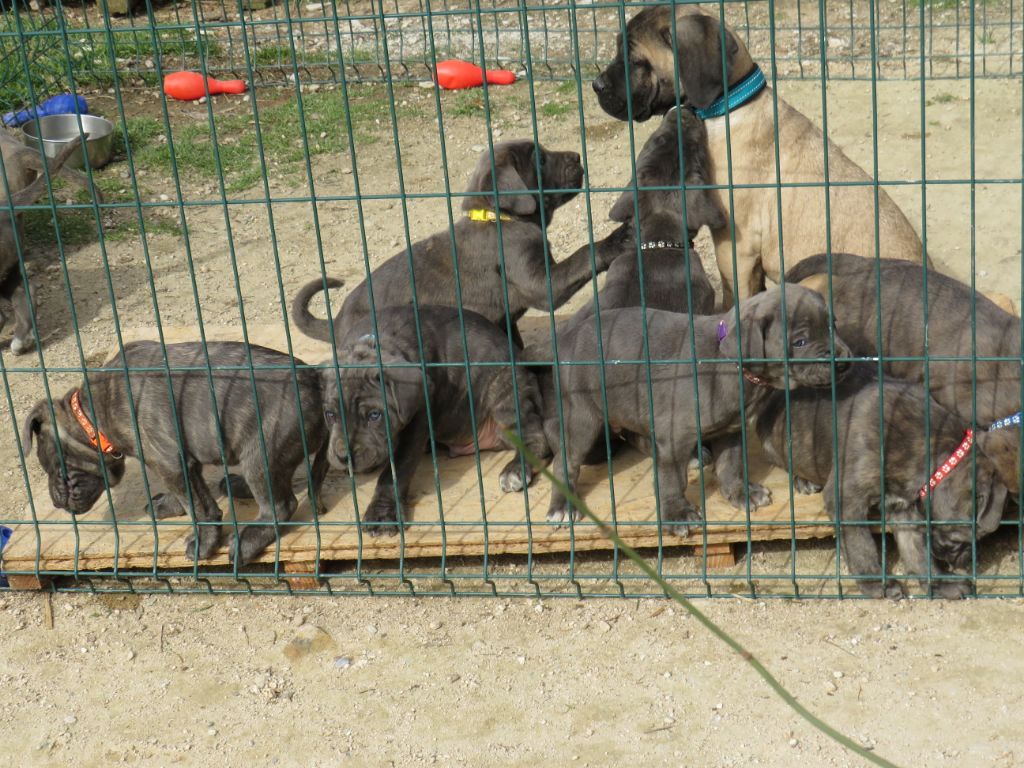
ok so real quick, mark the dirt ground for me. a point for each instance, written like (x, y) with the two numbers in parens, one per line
(156, 681)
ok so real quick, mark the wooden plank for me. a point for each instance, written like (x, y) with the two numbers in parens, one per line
(466, 517)
(719, 556)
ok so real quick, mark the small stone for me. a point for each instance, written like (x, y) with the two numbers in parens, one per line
(371, 629)
(425, 83)
(837, 675)
(308, 640)
(342, 662)
(520, 660)
(605, 626)
(477, 148)
(435, 625)
(70, 720)
(68, 607)
(793, 742)
(211, 732)
(164, 197)
(323, 134)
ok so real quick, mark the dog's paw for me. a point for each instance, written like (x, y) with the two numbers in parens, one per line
(894, 590)
(680, 519)
(209, 541)
(165, 505)
(806, 487)
(381, 517)
(564, 515)
(512, 478)
(952, 590)
(19, 345)
(759, 496)
(250, 542)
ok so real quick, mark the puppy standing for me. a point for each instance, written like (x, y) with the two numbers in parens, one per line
(392, 407)
(27, 183)
(84, 443)
(720, 388)
(890, 302)
(476, 241)
(903, 408)
(667, 283)
(652, 73)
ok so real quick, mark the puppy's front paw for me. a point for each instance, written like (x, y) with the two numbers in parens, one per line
(19, 346)
(952, 590)
(209, 541)
(564, 515)
(512, 478)
(806, 487)
(381, 517)
(759, 496)
(165, 505)
(894, 590)
(681, 518)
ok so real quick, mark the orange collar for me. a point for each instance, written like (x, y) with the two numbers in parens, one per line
(96, 438)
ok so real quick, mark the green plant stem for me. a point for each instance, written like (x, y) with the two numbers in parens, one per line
(694, 611)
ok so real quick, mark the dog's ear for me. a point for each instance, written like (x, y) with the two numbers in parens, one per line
(757, 316)
(699, 56)
(702, 208)
(1002, 447)
(990, 493)
(33, 425)
(506, 179)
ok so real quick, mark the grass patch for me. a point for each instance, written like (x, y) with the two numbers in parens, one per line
(557, 108)
(941, 98)
(466, 104)
(281, 129)
(566, 88)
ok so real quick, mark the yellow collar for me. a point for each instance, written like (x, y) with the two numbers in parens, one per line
(482, 214)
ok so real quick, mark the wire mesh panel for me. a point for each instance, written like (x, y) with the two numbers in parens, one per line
(343, 157)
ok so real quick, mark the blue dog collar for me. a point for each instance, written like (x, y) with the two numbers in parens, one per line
(1009, 421)
(744, 91)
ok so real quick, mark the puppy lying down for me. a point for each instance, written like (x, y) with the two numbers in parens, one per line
(712, 382)
(94, 440)
(393, 411)
(907, 461)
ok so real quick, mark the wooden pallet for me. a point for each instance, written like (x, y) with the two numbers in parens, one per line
(471, 517)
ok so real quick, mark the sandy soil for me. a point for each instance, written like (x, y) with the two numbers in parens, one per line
(158, 681)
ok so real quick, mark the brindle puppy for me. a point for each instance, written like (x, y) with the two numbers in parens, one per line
(720, 386)
(26, 183)
(390, 409)
(907, 461)
(887, 298)
(108, 435)
(668, 283)
(521, 240)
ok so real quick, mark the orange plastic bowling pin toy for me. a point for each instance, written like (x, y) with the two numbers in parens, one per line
(453, 74)
(186, 86)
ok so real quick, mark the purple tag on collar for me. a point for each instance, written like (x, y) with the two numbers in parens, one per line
(722, 331)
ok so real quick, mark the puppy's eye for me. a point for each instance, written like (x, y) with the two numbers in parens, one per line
(373, 416)
(800, 343)
(330, 416)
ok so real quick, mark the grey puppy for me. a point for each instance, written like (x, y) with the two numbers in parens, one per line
(903, 407)
(105, 433)
(667, 283)
(857, 288)
(400, 407)
(26, 182)
(477, 242)
(721, 388)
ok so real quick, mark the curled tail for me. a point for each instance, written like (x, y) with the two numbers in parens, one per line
(35, 190)
(842, 264)
(314, 327)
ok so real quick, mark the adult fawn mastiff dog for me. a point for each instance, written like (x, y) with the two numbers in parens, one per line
(651, 58)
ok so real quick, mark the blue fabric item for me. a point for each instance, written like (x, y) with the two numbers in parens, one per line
(1009, 421)
(5, 534)
(63, 104)
(740, 94)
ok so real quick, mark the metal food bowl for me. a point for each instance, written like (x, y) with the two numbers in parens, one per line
(58, 130)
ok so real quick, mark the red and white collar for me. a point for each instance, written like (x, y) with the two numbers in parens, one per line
(949, 464)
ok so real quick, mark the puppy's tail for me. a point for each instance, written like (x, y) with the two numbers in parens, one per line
(842, 264)
(35, 190)
(312, 326)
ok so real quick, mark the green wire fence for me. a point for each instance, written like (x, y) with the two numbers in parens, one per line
(342, 153)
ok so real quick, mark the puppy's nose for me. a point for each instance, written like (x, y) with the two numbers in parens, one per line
(599, 84)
